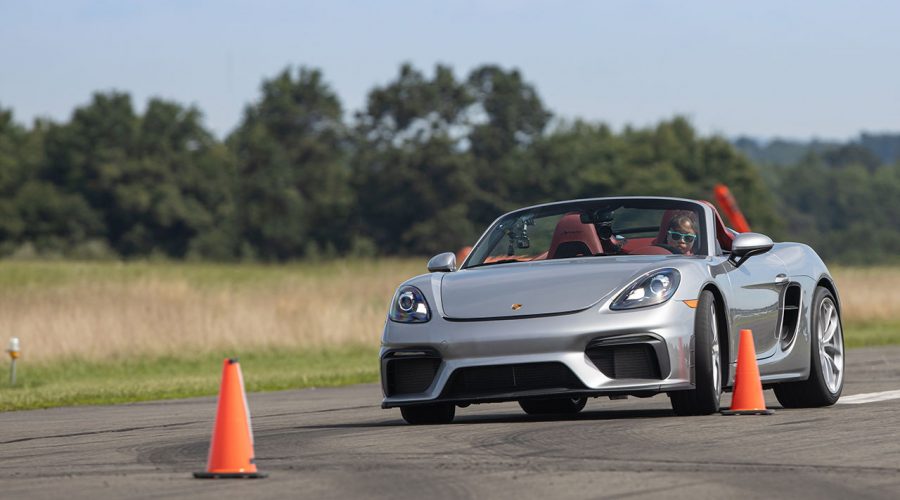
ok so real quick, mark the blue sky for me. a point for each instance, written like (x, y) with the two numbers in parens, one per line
(797, 69)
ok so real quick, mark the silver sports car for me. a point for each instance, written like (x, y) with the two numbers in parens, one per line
(612, 297)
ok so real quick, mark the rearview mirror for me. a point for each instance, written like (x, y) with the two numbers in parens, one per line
(442, 263)
(748, 244)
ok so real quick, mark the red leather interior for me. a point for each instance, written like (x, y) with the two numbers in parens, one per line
(633, 244)
(568, 233)
(723, 235)
(572, 234)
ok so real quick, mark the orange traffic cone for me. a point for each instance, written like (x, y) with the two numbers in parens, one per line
(231, 449)
(747, 398)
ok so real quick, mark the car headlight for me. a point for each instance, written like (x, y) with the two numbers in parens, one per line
(649, 290)
(409, 306)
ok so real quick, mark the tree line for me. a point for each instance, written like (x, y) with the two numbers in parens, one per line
(424, 167)
(881, 148)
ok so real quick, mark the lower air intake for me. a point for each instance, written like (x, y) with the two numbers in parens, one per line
(502, 379)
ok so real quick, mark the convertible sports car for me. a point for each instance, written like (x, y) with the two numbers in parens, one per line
(613, 297)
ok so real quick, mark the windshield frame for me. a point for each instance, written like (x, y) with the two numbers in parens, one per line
(581, 205)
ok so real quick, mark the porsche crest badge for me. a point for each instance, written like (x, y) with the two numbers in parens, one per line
(516, 307)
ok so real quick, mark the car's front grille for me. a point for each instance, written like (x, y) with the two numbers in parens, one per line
(502, 379)
(410, 376)
(625, 361)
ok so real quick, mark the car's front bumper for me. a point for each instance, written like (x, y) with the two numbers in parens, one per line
(501, 351)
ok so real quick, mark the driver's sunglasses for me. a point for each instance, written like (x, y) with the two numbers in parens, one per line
(688, 238)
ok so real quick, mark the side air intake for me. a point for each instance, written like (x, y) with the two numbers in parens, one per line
(790, 315)
(634, 357)
(410, 372)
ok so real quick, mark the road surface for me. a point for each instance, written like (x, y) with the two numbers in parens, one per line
(339, 443)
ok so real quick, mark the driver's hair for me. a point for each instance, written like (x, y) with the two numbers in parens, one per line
(684, 221)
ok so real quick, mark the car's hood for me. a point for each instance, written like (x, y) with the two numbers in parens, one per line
(539, 288)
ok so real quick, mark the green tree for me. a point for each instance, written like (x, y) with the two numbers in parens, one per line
(175, 193)
(35, 213)
(413, 175)
(507, 118)
(582, 160)
(161, 183)
(847, 211)
(13, 173)
(294, 194)
(576, 160)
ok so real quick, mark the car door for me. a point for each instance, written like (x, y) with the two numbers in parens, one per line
(757, 286)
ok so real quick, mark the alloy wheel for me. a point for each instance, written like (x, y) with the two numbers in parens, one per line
(831, 345)
(714, 351)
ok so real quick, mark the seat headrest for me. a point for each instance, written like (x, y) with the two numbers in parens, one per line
(570, 229)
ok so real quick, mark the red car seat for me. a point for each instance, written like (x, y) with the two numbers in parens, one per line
(573, 238)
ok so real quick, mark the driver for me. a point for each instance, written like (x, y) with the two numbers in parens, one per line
(682, 234)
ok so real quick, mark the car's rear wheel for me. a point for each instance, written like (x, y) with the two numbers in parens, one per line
(553, 405)
(826, 369)
(704, 398)
(437, 413)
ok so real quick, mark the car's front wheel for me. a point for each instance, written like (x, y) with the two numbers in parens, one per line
(826, 369)
(553, 405)
(437, 413)
(704, 398)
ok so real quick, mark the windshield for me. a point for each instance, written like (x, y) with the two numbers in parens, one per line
(594, 228)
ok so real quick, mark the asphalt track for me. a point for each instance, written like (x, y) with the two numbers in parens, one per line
(338, 443)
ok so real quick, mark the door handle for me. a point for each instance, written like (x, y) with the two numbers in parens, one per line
(781, 279)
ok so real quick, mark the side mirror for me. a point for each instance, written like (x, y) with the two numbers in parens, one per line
(748, 244)
(442, 263)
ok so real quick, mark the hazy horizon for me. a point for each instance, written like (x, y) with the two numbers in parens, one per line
(808, 70)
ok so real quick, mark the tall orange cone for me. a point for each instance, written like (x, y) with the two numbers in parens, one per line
(231, 449)
(730, 207)
(747, 398)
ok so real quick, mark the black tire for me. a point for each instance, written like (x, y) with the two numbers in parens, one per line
(438, 413)
(814, 391)
(565, 406)
(704, 398)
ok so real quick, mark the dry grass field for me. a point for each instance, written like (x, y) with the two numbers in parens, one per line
(869, 294)
(110, 311)
(101, 311)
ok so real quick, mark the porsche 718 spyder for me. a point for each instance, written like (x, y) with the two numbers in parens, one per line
(631, 296)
